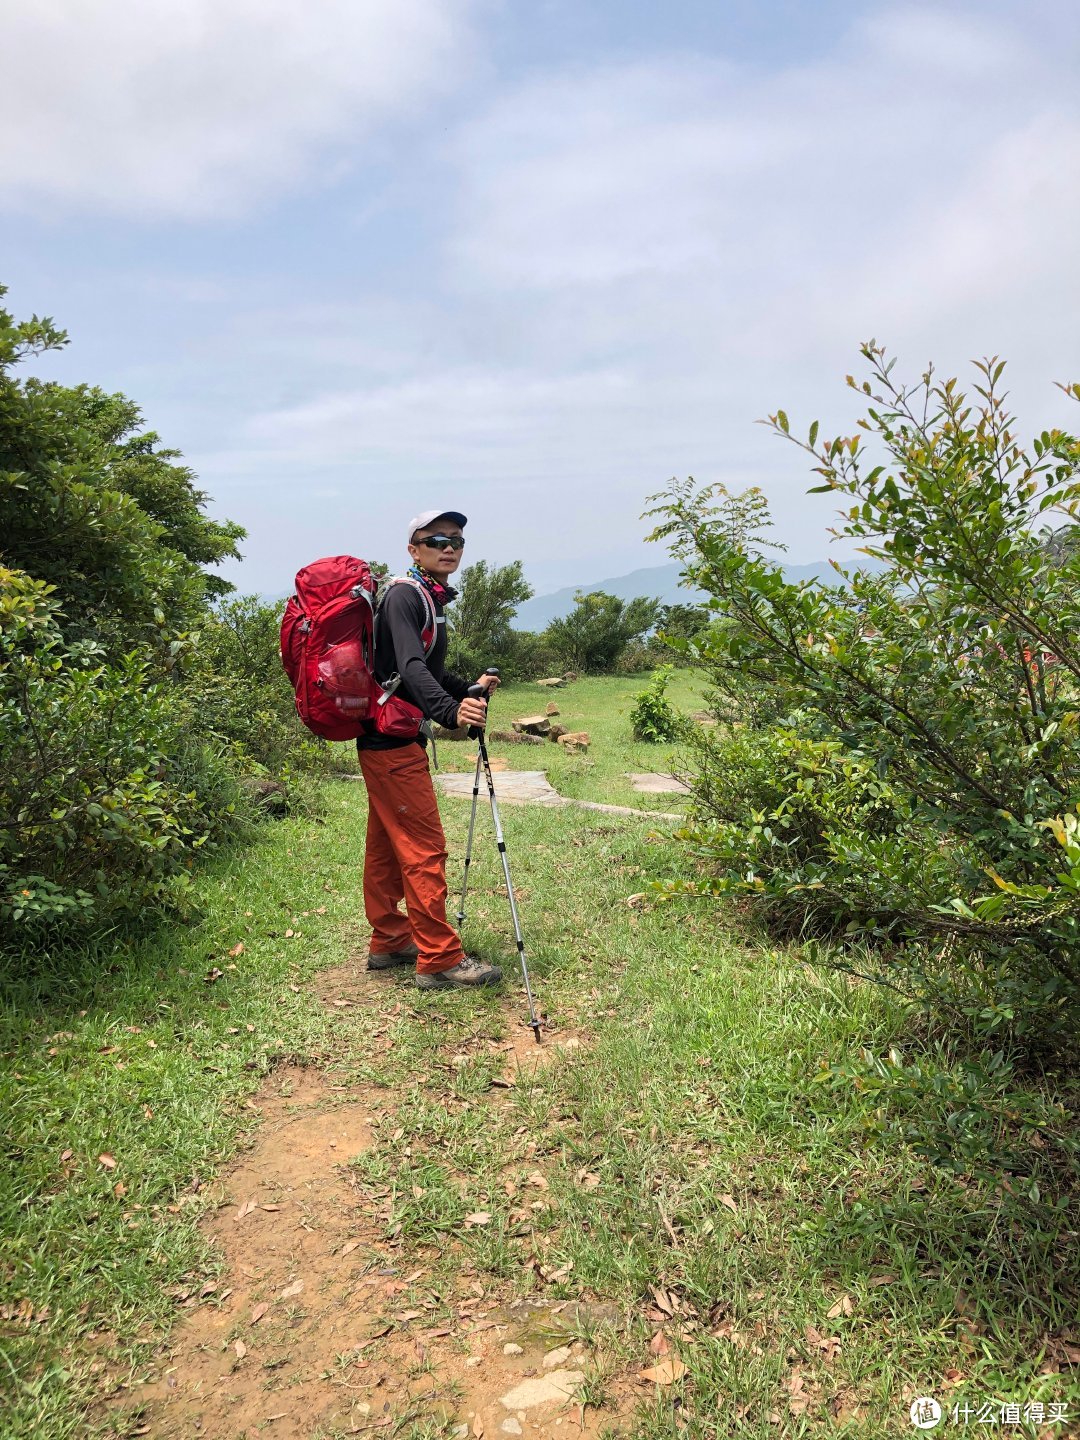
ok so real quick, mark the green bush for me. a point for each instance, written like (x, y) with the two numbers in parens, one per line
(939, 699)
(235, 681)
(113, 773)
(104, 791)
(594, 637)
(653, 716)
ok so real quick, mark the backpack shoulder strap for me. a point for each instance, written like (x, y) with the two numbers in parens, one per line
(429, 605)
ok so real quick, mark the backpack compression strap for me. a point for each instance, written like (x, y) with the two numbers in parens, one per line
(429, 605)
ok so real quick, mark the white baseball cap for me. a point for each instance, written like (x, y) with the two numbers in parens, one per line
(418, 522)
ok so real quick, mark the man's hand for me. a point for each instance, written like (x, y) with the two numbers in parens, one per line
(472, 712)
(489, 682)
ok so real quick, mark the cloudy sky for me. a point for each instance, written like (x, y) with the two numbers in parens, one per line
(359, 257)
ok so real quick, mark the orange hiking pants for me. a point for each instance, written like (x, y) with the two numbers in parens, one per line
(405, 859)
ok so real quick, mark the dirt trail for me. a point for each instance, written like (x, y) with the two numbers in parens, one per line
(307, 1331)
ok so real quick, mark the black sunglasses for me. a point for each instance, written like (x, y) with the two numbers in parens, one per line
(443, 542)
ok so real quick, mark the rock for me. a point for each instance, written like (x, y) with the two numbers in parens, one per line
(557, 731)
(551, 708)
(531, 725)
(442, 733)
(511, 1349)
(512, 737)
(570, 675)
(511, 1426)
(576, 740)
(556, 1388)
(557, 1357)
(556, 682)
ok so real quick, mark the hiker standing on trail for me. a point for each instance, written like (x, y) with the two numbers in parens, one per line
(405, 856)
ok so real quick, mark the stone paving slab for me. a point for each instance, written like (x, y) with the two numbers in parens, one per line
(520, 787)
(654, 784)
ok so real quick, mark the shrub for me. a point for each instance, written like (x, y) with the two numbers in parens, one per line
(951, 677)
(654, 717)
(596, 633)
(104, 792)
(242, 696)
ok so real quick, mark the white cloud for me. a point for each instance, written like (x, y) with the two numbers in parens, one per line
(196, 108)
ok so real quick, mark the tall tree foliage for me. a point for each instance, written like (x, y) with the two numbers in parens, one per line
(97, 509)
(482, 614)
(598, 630)
(106, 782)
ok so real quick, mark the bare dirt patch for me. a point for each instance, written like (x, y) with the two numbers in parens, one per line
(316, 1328)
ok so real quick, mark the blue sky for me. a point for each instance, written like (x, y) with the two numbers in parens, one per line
(361, 257)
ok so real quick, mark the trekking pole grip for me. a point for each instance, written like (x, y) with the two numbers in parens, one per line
(481, 692)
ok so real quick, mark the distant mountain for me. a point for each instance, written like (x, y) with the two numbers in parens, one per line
(660, 582)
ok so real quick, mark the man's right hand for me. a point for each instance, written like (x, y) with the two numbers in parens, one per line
(472, 712)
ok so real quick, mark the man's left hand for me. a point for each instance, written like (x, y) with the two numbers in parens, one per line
(489, 682)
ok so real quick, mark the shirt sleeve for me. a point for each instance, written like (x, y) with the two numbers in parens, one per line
(455, 686)
(403, 611)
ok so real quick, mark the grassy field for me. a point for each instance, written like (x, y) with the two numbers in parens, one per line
(600, 705)
(812, 1274)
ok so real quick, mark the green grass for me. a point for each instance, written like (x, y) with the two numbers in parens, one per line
(600, 704)
(686, 1150)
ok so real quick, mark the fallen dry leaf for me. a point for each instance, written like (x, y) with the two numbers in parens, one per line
(271, 1207)
(730, 1202)
(291, 1290)
(658, 1345)
(108, 1161)
(237, 950)
(258, 1313)
(245, 1209)
(798, 1399)
(664, 1301)
(844, 1306)
(666, 1373)
(479, 1217)
(478, 1427)
(119, 1189)
(349, 1247)
(213, 976)
(876, 1280)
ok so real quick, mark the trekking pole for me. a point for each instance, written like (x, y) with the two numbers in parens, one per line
(479, 692)
(469, 844)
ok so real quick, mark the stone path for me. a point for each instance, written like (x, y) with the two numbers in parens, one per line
(654, 784)
(532, 787)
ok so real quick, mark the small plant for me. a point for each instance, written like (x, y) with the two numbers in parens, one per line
(653, 717)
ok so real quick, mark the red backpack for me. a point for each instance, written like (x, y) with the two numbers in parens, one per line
(328, 650)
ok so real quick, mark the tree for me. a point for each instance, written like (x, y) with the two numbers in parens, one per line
(110, 774)
(598, 629)
(480, 617)
(98, 510)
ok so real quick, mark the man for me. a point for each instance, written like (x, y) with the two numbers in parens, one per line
(405, 856)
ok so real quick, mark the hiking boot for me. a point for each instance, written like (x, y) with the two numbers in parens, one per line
(389, 959)
(467, 975)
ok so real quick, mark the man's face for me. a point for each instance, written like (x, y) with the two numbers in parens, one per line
(440, 563)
